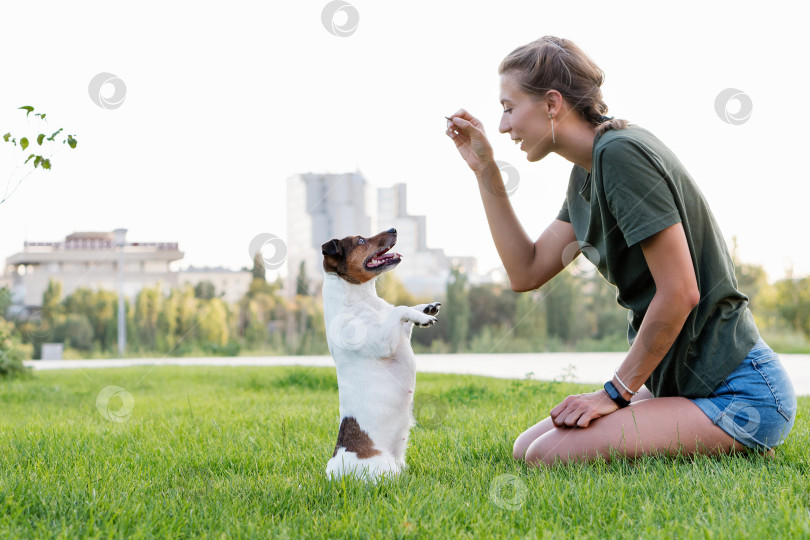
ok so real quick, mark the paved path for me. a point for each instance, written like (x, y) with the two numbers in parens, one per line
(588, 368)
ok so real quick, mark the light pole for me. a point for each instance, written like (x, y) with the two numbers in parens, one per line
(120, 240)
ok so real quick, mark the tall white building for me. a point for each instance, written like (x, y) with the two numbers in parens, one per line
(321, 207)
(325, 206)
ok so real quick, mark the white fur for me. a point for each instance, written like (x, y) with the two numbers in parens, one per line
(370, 341)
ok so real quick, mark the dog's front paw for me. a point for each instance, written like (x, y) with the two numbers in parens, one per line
(421, 319)
(432, 309)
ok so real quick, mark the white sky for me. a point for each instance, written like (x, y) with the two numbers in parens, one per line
(226, 100)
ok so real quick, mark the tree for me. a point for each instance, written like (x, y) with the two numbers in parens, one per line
(751, 278)
(530, 318)
(100, 307)
(302, 283)
(147, 308)
(560, 299)
(205, 290)
(75, 331)
(792, 301)
(258, 267)
(457, 311)
(38, 327)
(5, 300)
(213, 326)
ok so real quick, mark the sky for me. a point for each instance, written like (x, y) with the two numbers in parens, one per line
(223, 101)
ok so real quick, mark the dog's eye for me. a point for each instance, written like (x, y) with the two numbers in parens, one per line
(361, 241)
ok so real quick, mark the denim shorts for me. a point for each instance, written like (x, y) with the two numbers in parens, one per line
(756, 404)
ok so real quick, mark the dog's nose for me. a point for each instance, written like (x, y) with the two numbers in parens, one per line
(392, 230)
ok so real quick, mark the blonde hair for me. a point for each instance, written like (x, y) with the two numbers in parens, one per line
(552, 63)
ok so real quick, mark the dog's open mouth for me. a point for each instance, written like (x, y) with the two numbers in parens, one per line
(383, 258)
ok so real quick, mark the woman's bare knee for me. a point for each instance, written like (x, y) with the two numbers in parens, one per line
(526, 438)
(543, 452)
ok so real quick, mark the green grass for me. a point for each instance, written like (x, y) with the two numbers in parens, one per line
(241, 452)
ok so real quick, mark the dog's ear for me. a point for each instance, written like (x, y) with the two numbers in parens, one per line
(332, 248)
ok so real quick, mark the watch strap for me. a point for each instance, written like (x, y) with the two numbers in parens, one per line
(615, 395)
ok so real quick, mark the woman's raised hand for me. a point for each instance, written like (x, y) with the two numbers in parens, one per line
(468, 134)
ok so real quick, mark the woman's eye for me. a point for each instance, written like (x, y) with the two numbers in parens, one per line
(507, 110)
(361, 241)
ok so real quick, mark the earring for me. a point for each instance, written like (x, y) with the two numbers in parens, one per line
(553, 140)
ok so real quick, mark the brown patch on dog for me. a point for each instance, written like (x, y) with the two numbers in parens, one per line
(347, 257)
(354, 439)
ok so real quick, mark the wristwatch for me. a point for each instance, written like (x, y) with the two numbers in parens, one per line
(615, 395)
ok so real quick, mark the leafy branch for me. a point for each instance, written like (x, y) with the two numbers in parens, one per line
(39, 160)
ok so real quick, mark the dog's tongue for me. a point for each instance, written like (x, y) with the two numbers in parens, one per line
(380, 259)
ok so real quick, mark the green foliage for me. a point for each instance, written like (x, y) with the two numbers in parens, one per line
(789, 301)
(205, 290)
(563, 303)
(258, 267)
(5, 300)
(213, 328)
(302, 282)
(38, 157)
(457, 309)
(74, 331)
(570, 313)
(12, 352)
(100, 308)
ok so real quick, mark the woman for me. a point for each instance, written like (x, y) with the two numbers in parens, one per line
(697, 378)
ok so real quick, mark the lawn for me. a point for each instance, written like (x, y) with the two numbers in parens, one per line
(213, 452)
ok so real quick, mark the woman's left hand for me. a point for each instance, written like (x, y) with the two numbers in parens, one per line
(579, 410)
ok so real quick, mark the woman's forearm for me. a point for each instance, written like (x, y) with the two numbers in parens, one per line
(514, 246)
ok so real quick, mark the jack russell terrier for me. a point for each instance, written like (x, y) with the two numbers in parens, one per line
(370, 341)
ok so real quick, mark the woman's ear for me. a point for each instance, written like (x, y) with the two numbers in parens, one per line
(554, 102)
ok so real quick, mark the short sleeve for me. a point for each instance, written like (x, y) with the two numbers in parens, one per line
(637, 194)
(563, 214)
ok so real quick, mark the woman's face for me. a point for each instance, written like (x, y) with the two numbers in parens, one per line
(525, 118)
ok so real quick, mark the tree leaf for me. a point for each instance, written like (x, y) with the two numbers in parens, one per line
(71, 141)
(39, 138)
(29, 158)
(55, 133)
(37, 161)
(6, 137)
(46, 163)
(24, 143)
(28, 108)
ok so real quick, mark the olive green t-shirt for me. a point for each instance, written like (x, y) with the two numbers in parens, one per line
(637, 187)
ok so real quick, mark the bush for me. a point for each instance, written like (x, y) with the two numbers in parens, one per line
(12, 352)
(215, 349)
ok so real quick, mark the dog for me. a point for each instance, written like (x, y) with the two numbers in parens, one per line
(370, 342)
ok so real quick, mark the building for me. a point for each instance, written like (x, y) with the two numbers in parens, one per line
(325, 206)
(90, 260)
(321, 207)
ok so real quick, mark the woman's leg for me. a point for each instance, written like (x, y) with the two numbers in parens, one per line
(533, 433)
(652, 426)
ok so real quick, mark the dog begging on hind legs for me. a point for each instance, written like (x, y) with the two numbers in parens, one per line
(370, 342)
